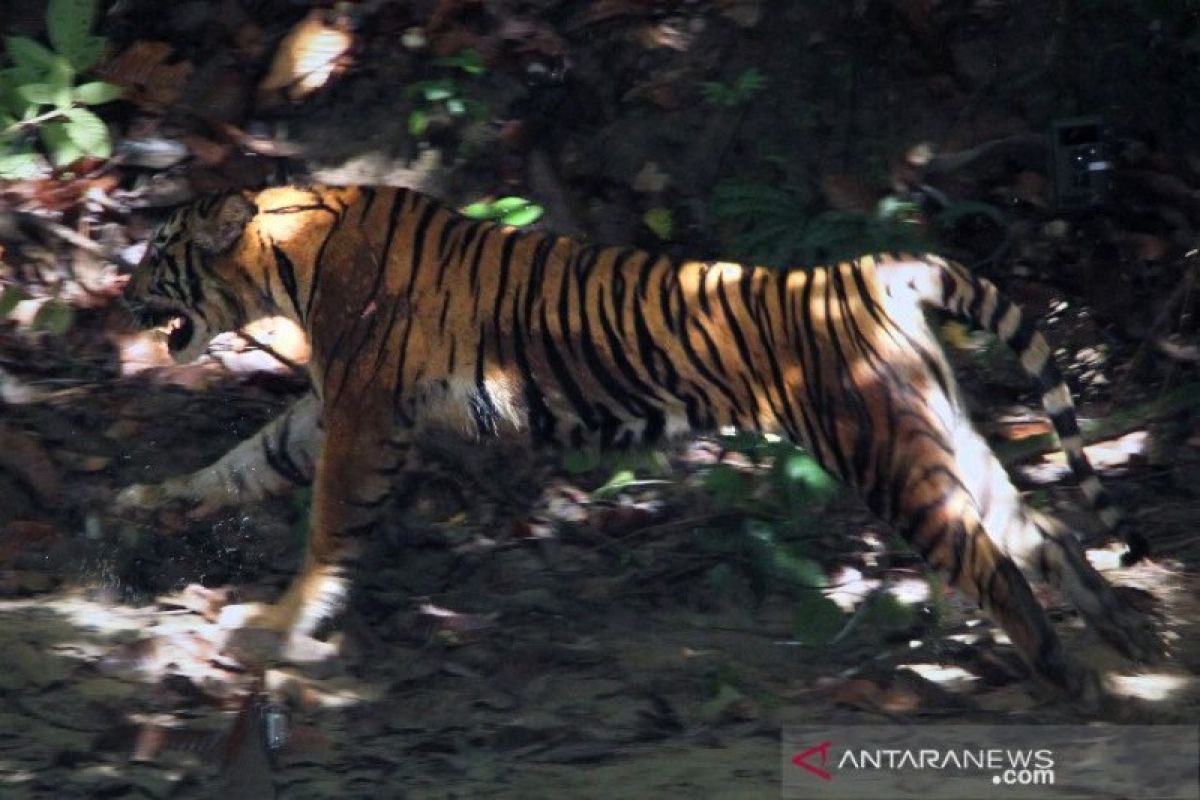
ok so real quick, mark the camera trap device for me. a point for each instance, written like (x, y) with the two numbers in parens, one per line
(1082, 164)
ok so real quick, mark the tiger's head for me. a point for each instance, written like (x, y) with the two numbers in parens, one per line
(190, 280)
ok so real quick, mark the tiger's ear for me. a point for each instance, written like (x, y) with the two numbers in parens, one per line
(225, 223)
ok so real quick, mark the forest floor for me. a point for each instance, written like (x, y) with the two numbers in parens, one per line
(622, 641)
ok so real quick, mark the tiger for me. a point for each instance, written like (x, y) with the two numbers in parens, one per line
(420, 319)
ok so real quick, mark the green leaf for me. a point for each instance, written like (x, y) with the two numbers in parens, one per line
(89, 132)
(96, 92)
(418, 122)
(579, 460)
(40, 93)
(804, 469)
(504, 205)
(727, 485)
(11, 103)
(69, 24)
(455, 107)
(54, 316)
(28, 55)
(88, 53)
(62, 149)
(659, 220)
(525, 215)
(891, 613)
(12, 77)
(620, 480)
(479, 210)
(750, 81)
(61, 77)
(469, 61)
(435, 93)
(817, 619)
(11, 295)
(803, 572)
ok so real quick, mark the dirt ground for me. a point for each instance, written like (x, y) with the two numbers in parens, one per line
(480, 662)
(613, 651)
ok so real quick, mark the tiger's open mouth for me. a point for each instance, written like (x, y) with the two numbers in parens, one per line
(179, 328)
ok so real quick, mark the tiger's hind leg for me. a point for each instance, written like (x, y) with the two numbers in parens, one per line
(1046, 549)
(940, 519)
(361, 454)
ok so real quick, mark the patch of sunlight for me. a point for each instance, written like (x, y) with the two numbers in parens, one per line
(11, 775)
(946, 676)
(1106, 559)
(910, 591)
(176, 642)
(1152, 687)
(850, 588)
(1110, 453)
(336, 692)
(83, 613)
(965, 638)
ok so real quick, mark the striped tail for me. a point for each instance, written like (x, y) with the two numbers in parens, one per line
(978, 302)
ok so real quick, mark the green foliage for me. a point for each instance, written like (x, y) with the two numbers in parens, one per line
(469, 61)
(776, 507)
(661, 221)
(733, 95)
(54, 316)
(515, 211)
(888, 612)
(621, 479)
(9, 297)
(41, 100)
(771, 225)
(444, 97)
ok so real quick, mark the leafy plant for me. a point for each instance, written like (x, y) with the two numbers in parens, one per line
(40, 98)
(444, 97)
(771, 225)
(732, 95)
(515, 211)
(53, 315)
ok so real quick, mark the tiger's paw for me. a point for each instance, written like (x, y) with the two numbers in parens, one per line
(1085, 690)
(151, 498)
(261, 633)
(1132, 632)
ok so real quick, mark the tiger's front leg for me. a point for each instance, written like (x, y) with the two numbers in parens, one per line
(277, 459)
(361, 453)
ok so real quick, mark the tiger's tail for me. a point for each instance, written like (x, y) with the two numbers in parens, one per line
(953, 288)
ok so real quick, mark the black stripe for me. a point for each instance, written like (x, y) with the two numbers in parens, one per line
(506, 268)
(1022, 336)
(287, 274)
(278, 458)
(566, 380)
(1002, 306)
(483, 410)
(419, 238)
(300, 209)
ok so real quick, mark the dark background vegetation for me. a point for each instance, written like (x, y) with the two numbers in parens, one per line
(537, 626)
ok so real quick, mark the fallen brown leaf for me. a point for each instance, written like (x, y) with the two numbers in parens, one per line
(143, 71)
(312, 53)
(25, 457)
(870, 695)
(200, 599)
